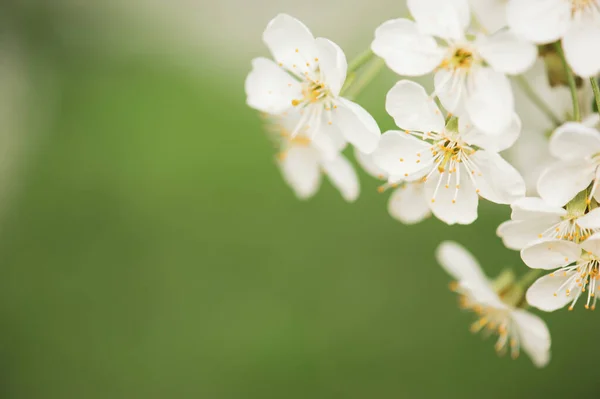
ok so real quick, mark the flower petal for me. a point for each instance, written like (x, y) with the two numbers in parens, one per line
(497, 180)
(398, 153)
(561, 182)
(368, 164)
(528, 208)
(412, 109)
(578, 41)
(332, 64)
(460, 264)
(490, 13)
(300, 169)
(590, 220)
(545, 295)
(357, 125)
(490, 103)
(533, 335)
(550, 254)
(507, 53)
(447, 19)
(342, 175)
(405, 50)
(269, 88)
(518, 234)
(541, 21)
(452, 200)
(451, 89)
(592, 244)
(291, 43)
(494, 143)
(574, 140)
(329, 141)
(408, 203)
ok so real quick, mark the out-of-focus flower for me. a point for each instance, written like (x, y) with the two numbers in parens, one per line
(577, 272)
(577, 147)
(576, 22)
(408, 202)
(456, 162)
(303, 160)
(307, 75)
(498, 309)
(533, 219)
(470, 74)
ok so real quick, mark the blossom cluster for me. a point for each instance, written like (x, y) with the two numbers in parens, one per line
(512, 81)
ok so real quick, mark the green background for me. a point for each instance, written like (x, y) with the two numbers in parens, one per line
(152, 250)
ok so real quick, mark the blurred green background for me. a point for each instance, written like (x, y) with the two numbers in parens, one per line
(150, 248)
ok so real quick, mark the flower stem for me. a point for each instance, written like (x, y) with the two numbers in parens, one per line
(528, 279)
(361, 60)
(371, 71)
(596, 91)
(571, 80)
(539, 102)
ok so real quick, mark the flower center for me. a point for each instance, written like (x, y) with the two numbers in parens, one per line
(312, 92)
(567, 229)
(583, 5)
(460, 58)
(581, 277)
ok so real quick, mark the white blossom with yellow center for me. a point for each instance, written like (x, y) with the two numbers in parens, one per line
(532, 219)
(575, 22)
(576, 276)
(470, 73)
(456, 163)
(499, 311)
(307, 77)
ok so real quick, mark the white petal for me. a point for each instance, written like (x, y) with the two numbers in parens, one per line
(590, 220)
(367, 162)
(268, 87)
(291, 43)
(490, 102)
(405, 50)
(412, 109)
(507, 53)
(460, 264)
(550, 254)
(561, 182)
(574, 140)
(541, 21)
(528, 208)
(534, 336)
(517, 234)
(592, 244)
(494, 143)
(496, 179)
(343, 176)
(541, 294)
(408, 204)
(399, 152)
(332, 64)
(329, 141)
(452, 201)
(577, 44)
(451, 90)
(447, 19)
(357, 125)
(490, 13)
(300, 169)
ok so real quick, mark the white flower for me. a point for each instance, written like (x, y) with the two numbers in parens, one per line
(517, 328)
(577, 273)
(308, 76)
(303, 160)
(576, 22)
(530, 154)
(533, 219)
(456, 164)
(470, 74)
(577, 148)
(408, 202)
